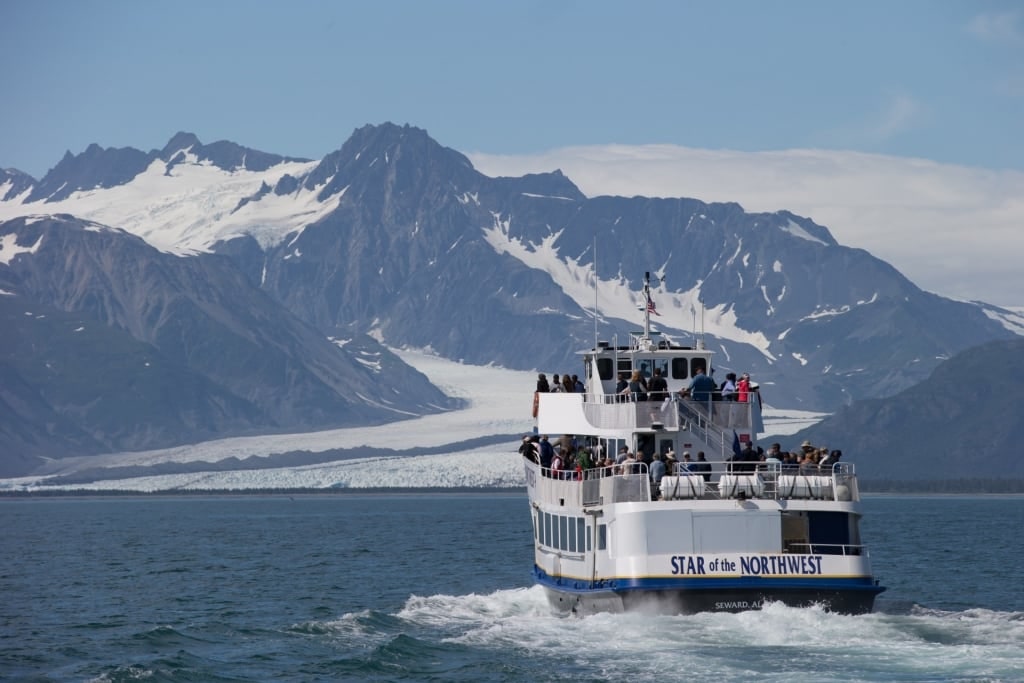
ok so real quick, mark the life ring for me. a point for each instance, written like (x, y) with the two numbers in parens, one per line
(536, 402)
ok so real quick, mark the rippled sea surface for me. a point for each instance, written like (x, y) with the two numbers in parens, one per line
(436, 587)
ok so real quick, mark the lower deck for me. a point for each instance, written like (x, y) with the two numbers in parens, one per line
(717, 549)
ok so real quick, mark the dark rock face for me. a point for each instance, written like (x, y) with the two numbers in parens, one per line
(963, 422)
(136, 349)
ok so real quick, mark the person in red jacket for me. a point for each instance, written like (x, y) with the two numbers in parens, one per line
(743, 388)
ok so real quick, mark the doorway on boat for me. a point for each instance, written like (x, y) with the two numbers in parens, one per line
(821, 532)
(646, 447)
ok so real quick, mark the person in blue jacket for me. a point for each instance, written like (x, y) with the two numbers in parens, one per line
(701, 387)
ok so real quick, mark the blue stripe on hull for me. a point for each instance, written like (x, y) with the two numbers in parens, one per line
(689, 595)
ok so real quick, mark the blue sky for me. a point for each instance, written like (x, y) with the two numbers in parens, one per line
(937, 80)
(928, 80)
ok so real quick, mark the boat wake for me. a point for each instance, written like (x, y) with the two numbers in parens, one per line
(778, 641)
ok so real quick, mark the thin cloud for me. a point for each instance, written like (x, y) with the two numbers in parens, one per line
(953, 230)
(896, 113)
(1000, 28)
(900, 114)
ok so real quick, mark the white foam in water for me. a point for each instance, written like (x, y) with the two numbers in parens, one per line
(776, 643)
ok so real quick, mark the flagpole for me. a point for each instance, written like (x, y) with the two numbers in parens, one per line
(595, 290)
(647, 306)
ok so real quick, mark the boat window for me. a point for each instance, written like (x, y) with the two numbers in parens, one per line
(547, 530)
(563, 536)
(571, 543)
(626, 366)
(700, 364)
(588, 540)
(644, 367)
(605, 368)
(650, 365)
(602, 536)
(680, 368)
(830, 533)
(581, 526)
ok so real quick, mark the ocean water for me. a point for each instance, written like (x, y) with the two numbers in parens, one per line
(436, 587)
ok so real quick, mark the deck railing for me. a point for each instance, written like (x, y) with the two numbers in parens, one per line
(620, 411)
(630, 482)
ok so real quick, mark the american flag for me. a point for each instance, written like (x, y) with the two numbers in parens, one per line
(650, 307)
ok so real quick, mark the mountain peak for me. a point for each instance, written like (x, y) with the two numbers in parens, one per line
(378, 147)
(180, 141)
(95, 167)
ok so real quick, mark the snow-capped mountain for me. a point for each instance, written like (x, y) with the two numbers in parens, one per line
(397, 237)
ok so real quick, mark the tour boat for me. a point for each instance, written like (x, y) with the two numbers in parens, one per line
(732, 538)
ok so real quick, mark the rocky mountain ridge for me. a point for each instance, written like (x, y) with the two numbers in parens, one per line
(394, 237)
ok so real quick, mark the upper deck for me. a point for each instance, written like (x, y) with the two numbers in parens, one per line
(630, 483)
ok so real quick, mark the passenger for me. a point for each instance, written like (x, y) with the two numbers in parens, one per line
(622, 388)
(547, 452)
(529, 451)
(746, 460)
(573, 470)
(701, 387)
(583, 459)
(637, 387)
(657, 471)
(670, 461)
(805, 448)
(642, 459)
(686, 466)
(607, 467)
(743, 389)
(809, 464)
(629, 464)
(542, 383)
(578, 385)
(659, 386)
(702, 466)
(825, 461)
(556, 385)
(558, 465)
(729, 387)
(623, 454)
(568, 385)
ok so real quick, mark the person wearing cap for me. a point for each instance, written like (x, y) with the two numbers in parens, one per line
(686, 466)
